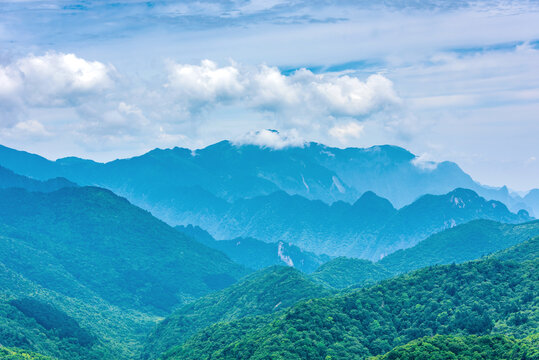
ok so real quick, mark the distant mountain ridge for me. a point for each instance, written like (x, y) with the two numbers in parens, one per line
(369, 228)
(230, 172)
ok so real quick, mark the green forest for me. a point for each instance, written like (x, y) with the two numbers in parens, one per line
(476, 298)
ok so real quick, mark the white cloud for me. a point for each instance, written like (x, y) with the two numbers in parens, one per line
(424, 162)
(301, 94)
(344, 132)
(54, 79)
(272, 138)
(205, 83)
(29, 129)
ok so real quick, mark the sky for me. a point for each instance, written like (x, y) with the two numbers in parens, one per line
(447, 80)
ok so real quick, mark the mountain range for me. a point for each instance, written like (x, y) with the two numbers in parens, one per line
(229, 171)
(88, 274)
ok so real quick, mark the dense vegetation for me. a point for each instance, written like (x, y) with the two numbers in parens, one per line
(18, 354)
(528, 250)
(475, 298)
(459, 244)
(82, 326)
(343, 272)
(256, 254)
(84, 274)
(121, 252)
(264, 292)
(470, 347)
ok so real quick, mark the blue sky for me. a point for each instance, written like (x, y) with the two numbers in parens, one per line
(448, 80)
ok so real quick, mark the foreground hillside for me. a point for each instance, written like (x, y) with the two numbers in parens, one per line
(469, 347)
(264, 292)
(476, 298)
(17, 354)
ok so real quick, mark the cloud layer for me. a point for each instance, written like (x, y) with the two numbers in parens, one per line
(265, 88)
(53, 79)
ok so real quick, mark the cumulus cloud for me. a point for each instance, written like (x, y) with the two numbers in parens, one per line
(54, 79)
(301, 94)
(272, 138)
(344, 132)
(205, 83)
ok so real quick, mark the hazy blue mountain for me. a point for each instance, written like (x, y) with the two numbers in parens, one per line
(119, 251)
(8, 179)
(370, 228)
(433, 213)
(343, 272)
(459, 244)
(532, 200)
(264, 292)
(256, 254)
(284, 195)
(230, 172)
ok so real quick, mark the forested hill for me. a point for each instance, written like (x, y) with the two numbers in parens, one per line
(265, 292)
(117, 250)
(469, 347)
(343, 272)
(476, 298)
(18, 354)
(462, 243)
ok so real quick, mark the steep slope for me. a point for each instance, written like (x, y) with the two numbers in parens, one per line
(117, 250)
(459, 244)
(476, 298)
(343, 272)
(466, 348)
(9, 179)
(264, 292)
(256, 254)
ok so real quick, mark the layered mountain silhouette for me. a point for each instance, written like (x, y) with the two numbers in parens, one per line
(370, 228)
(236, 191)
(226, 171)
